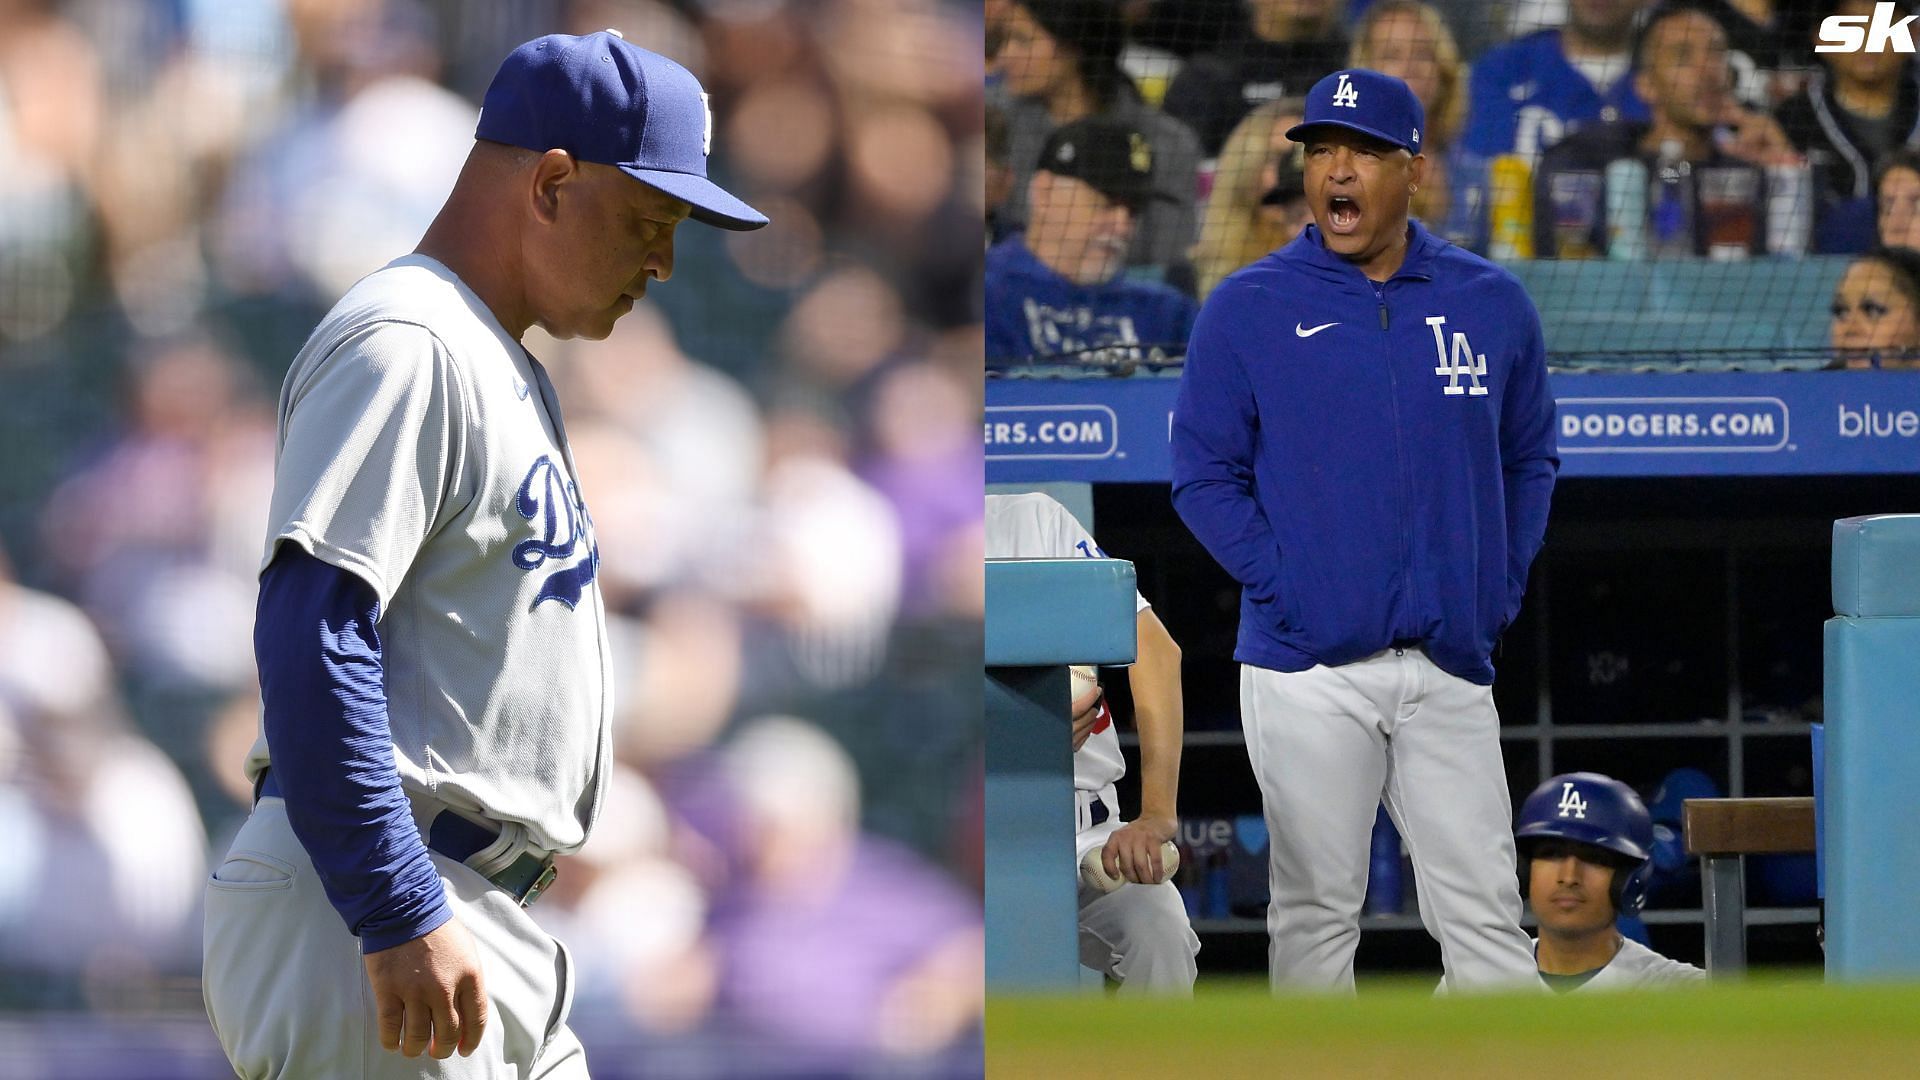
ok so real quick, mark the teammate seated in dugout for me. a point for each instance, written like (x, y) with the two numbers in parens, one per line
(1585, 844)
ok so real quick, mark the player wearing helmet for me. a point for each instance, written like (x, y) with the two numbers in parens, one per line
(1585, 843)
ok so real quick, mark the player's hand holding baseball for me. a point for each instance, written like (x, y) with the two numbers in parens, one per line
(429, 993)
(1133, 851)
(1086, 713)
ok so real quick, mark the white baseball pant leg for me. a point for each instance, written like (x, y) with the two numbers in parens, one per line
(287, 990)
(1136, 934)
(1139, 934)
(1327, 744)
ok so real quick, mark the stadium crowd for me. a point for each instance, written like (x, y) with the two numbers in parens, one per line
(779, 449)
(1619, 130)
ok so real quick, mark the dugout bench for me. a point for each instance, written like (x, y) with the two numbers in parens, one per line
(1721, 833)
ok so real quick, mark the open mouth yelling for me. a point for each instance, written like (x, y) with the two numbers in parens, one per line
(1343, 215)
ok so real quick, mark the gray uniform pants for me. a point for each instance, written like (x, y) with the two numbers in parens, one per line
(288, 994)
(1327, 745)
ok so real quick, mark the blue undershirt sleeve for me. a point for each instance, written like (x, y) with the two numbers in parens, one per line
(316, 640)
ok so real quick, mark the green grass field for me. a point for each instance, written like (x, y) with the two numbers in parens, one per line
(1777, 1027)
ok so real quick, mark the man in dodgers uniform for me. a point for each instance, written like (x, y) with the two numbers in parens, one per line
(1363, 439)
(1138, 933)
(430, 637)
(1586, 852)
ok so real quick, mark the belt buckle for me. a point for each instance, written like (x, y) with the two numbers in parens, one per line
(540, 885)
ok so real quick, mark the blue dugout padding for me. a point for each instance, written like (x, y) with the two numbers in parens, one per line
(1042, 615)
(1872, 749)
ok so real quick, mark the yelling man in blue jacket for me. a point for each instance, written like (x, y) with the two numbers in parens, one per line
(1364, 440)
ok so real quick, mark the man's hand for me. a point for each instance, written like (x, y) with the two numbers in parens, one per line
(1757, 138)
(1133, 851)
(429, 993)
(1086, 713)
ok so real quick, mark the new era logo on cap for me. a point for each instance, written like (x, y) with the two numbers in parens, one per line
(1368, 102)
(606, 100)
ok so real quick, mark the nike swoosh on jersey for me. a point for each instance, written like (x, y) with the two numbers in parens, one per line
(1300, 331)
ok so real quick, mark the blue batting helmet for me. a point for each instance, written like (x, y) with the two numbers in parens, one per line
(1599, 811)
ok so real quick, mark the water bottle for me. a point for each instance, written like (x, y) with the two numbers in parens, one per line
(1383, 868)
(1627, 210)
(1670, 209)
(1789, 209)
(1510, 208)
(1219, 887)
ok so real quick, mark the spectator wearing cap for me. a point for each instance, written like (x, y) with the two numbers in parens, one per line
(1854, 109)
(1289, 45)
(1683, 75)
(1060, 62)
(1259, 200)
(1056, 291)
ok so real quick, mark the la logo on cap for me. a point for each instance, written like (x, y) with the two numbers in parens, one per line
(1139, 155)
(1065, 153)
(1346, 93)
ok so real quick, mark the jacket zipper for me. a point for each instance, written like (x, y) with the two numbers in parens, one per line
(1400, 460)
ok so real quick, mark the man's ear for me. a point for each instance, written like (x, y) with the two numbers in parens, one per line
(550, 175)
(1418, 173)
(1643, 85)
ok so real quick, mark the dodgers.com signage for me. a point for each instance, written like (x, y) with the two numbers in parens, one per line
(1673, 425)
(1759, 424)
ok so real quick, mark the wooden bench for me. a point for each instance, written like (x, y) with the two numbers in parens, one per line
(1721, 833)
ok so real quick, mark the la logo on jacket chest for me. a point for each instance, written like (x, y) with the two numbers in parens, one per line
(1457, 360)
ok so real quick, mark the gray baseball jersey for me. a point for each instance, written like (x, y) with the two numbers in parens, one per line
(1636, 967)
(1035, 526)
(421, 449)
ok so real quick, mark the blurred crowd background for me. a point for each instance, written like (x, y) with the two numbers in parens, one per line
(1596, 146)
(779, 449)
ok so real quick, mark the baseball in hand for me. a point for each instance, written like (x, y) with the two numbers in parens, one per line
(1084, 680)
(1094, 872)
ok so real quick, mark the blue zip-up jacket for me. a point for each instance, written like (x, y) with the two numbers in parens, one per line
(1371, 461)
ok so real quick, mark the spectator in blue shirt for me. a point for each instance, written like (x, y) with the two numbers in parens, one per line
(1055, 291)
(1529, 94)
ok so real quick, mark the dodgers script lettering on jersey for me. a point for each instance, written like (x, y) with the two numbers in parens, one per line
(422, 449)
(548, 498)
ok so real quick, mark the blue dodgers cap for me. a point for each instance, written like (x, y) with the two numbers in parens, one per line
(1367, 102)
(605, 100)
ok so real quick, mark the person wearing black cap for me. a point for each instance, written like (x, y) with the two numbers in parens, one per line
(1056, 291)
(1363, 438)
(1061, 62)
(431, 641)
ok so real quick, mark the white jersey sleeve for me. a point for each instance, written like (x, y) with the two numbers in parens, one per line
(1636, 967)
(1035, 526)
(371, 453)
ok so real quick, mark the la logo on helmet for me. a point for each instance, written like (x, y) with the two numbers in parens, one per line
(1571, 803)
(1875, 34)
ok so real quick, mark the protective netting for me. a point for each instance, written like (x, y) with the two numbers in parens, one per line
(1679, 185)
